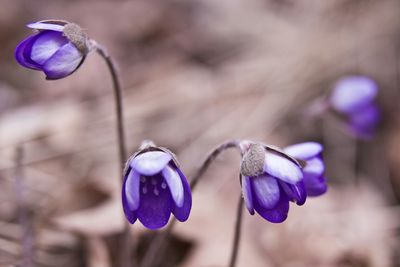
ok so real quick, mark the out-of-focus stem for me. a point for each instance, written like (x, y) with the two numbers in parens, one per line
(23, 213)
(236, 239)
(125, 242)
(153, 255)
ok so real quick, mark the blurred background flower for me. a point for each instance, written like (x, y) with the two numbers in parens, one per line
(354, 98)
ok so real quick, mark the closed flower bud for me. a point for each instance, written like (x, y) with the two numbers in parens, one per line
(57, 48)
(154, 187)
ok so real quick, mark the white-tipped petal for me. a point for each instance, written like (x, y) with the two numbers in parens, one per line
(247, 195)
(132, 190)
(175, 185)
(46, 26)
(304, 150)
(150, 163)
(282, 168)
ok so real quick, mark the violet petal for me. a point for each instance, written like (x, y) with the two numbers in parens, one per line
(363, 123)
(266, 191)
(352, 93)
(304, 151)
(132, 189)
(155, 206)
(63, 63)
(129, 214)
(182, 213)
(45, 26)
(20, 53)
(276, 215)
(247, 194)
(174, 184)
(282, 168)
(296, 193)
(46, 45)
(314, 167)
(315, 185)
(151, 162)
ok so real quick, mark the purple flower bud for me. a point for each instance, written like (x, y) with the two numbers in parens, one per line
(310, 156)
(353, 97)
(57, 48)
(270, 179)
(153, 187)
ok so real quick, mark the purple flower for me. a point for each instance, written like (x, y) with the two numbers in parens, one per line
(270, 179)
(353, 97)
(310, 156)
(153, 187)
(57, 48)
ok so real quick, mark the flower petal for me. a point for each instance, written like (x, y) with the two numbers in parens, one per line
(296, 193)
(155, 206)
(304, 151)
(63, 63)
(150, 163)
(132, 189)
(315, 185)
(46, 45)
(282, 168)
(353, 93)
(247, 194)
(314, 167)
(45, 26)
(174, 184)
(266, 191)
(21, 52)
(363, 123)
(129, 214)
(182, 213)
(276, 215)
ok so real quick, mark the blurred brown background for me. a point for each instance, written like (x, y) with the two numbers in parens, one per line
(196, 73)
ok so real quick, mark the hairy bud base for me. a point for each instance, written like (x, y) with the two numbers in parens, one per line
(253, 161)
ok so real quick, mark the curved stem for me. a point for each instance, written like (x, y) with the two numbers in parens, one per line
(118, 105)
(210, 158)
(125, 242)
(236, 239)
(155, 252)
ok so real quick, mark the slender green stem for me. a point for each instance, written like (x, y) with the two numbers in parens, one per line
(125, 242)
(155, 252)
(236, 239)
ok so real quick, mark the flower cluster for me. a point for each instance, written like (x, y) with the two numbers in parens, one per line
(153, 187)
(271, 178)
(57, 48)
(353, 98)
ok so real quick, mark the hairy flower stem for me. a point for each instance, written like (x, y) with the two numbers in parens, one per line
(236, 239)
(125, 242)
(154, 253)
(23, 212)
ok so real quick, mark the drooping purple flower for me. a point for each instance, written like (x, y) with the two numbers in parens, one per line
(270, 179)
(57, 48)
(353, 97)
(153, 187)
(310, 156)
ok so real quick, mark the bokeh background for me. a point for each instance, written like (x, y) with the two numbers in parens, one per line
(196, 73)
